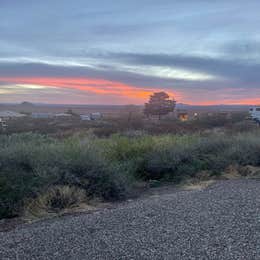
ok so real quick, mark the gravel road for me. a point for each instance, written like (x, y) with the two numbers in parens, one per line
(220, 222)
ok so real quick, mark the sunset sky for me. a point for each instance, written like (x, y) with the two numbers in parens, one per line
(119, 52)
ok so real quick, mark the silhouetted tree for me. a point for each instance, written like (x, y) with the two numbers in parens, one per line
(159, 104)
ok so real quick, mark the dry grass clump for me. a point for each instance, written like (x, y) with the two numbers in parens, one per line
(236, 172)
(197, 184)
(202, 180)
(55, 200)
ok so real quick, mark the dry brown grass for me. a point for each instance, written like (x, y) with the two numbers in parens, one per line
(55, 201)
(231, 173)
(194, 184)
(237, 172)
(202, 180)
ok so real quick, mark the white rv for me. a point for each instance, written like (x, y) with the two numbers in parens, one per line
(255, 113)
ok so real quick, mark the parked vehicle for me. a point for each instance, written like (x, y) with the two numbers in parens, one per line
(255, 113)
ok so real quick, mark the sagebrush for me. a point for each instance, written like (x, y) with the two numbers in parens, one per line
(31, 164)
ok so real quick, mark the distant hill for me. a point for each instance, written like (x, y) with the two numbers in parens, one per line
(60, 108)
(213, 107)
(25, 103)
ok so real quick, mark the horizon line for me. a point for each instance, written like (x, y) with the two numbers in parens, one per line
(80, 104)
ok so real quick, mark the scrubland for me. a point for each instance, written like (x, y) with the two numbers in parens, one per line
(53, 172)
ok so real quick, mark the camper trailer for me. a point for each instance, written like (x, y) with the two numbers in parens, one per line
(255, 113)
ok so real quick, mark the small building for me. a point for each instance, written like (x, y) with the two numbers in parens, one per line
(85, 117)
(63, 115)
(225, 114)
(6, 115)
(42, 115)
(95, 116)
(182, 115)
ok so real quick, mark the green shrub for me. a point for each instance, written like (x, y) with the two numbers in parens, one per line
(29, 167)
(31, 164)
(213, 153)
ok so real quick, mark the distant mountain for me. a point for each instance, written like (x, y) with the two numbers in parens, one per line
(29, 107)
(213, 107)
(25, 103)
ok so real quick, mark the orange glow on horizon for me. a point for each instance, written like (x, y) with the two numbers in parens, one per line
(97, 86)
(228, 102)
(114, 89)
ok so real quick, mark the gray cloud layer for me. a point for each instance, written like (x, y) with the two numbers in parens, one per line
(216, 38)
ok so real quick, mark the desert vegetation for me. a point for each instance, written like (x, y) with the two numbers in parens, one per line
(55, 173)
(122, 122)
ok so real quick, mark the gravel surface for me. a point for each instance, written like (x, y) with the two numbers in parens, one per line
(220, 222)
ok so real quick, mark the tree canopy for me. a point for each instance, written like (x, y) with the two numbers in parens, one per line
(159, 104)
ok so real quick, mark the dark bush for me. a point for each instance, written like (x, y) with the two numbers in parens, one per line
(32, 164)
